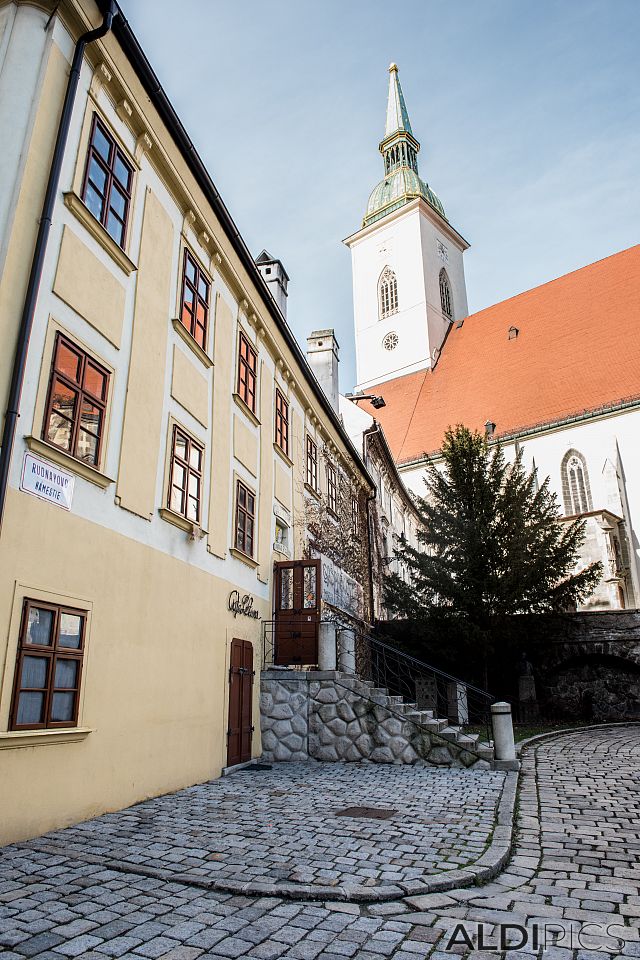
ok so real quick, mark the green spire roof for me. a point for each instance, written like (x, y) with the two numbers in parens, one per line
(397, 116)
(399, 150)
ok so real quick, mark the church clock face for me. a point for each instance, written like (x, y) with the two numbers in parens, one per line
(390, 342)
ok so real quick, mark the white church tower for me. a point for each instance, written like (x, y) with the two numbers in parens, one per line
(408, 273)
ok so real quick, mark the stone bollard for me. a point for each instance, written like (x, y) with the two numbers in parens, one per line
(347, 655)
(503, 742)
(327, 651)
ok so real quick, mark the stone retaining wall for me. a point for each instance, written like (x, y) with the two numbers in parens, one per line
(311, 715)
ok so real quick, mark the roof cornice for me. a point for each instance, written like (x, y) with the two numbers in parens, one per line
(151, 84)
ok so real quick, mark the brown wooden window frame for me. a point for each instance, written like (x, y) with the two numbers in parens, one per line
(332, 490)
(312, 464)
(52, 653)
(282, 422)
(193, 287)
(113, 182)
(247, 372)
(190, 471)
(245, 519)
(83, 396)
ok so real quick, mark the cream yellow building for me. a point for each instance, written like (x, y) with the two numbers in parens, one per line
(171, 443)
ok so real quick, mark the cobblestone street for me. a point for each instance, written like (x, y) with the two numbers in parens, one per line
(575, 860)
(256, 831)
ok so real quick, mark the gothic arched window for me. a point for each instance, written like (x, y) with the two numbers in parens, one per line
(446, 300)
(576, 491)
(387, 293)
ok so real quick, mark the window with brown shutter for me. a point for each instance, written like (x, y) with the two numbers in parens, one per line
(247, 372)
(185, 476)
(76, 404)
(282, 422)
(312, 464)
(49, 667)
(107, 182)
(245, 518)
(194, 311)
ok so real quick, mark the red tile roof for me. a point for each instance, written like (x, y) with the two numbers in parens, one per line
(577, 350)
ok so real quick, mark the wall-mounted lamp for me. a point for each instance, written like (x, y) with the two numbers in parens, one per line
(376, 401)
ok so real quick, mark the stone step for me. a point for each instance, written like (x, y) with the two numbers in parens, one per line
(436, 725)
(430, 724)
(470, 741)
(450, 733)
(484, 751)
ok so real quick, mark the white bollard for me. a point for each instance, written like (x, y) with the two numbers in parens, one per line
(502, 723)
(327, 652)
(347, 658)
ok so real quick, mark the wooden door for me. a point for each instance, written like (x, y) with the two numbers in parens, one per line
(297, 612)
(240, 730)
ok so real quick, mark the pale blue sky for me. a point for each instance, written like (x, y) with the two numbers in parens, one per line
(528, 113)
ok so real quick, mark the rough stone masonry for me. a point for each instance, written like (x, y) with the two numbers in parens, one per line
(323, 716)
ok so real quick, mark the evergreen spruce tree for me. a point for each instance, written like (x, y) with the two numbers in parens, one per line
(492, 546)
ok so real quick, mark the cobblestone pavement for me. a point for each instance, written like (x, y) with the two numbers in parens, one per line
(576, 860)
(281, 826)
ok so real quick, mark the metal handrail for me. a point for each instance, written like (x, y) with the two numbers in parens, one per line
(416, 681)
(420, 724)
(427, 666)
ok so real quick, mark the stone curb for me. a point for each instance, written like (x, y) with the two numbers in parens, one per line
(520, 746)
(485, 868)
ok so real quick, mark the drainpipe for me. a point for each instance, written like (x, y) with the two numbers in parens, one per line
(12, 412)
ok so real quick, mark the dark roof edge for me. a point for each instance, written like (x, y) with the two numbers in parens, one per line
(133, 51)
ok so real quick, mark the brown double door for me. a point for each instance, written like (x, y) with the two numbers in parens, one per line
(240, 730)
(297, 612)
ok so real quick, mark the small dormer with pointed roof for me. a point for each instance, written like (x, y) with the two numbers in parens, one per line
(276, 278)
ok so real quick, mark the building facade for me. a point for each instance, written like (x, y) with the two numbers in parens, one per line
(173, 449)
(393, 517)
(534, 372)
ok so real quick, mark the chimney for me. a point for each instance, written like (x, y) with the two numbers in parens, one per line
(322, 355)
(276, 277)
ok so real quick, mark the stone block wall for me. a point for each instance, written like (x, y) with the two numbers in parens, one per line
(318, 716)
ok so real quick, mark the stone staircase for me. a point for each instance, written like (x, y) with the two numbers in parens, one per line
(335, 716)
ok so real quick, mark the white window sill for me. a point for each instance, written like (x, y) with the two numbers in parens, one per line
(313, 491)
(178, 520)
(98, 232)
(239, 555)
(248, 412)
(283, 456)
(193, 344)
(40, 738)
(63, 459)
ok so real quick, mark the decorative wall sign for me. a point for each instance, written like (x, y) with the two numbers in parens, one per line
(41, 479)
(339, 589)
(242, 605)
